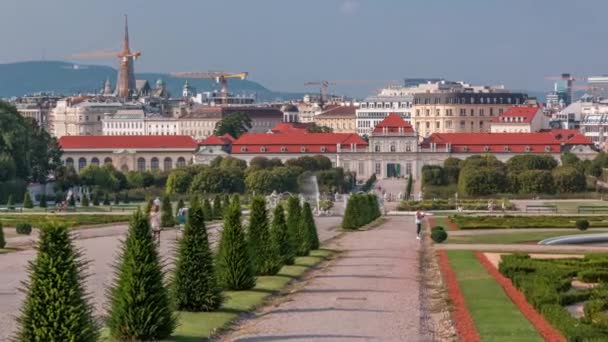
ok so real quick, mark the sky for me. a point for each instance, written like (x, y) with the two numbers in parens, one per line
(364, 44)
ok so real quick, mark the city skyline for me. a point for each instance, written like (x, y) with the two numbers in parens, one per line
(283, 45)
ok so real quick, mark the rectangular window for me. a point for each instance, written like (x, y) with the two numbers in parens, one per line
(437, 112)
(378, 169)
(346, 166)
(361, 168)
(428, 112)
(472, 112)
(448, 124)
(437, 125)
(481, 112)
(408, 169)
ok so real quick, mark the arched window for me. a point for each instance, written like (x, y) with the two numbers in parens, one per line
(168, 164)
(108, 160)
(181, 162)
(82, 163)
(393, 148)
(154, 164)
(95, 161)
(69, 162)
(141, 164)
(377, 148)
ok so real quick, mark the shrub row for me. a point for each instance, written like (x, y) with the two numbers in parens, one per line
(442, 204)
(361, 209)
(507, 221)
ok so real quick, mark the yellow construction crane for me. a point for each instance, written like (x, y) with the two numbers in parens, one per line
(325, 85)
(220, 77)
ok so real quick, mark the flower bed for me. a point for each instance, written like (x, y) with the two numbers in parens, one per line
(506, 221)
(442, 204)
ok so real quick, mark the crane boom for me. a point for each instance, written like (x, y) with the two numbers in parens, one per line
(220, 77)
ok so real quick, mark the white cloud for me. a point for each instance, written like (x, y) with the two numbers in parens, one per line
(349, 7)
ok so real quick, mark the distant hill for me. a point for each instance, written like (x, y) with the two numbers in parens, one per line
(17, 79)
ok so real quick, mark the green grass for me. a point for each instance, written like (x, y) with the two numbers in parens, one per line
(197, 326)
(572, 207)
(515, 222)
(73, 220)
(513, 238)
(494, 315)
(441, 221)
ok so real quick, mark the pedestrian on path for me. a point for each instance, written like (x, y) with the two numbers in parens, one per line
(419, 216)
(155, 220)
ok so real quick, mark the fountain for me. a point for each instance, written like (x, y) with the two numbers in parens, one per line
(310, 191)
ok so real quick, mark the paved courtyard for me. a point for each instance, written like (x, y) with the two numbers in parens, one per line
(101, 247)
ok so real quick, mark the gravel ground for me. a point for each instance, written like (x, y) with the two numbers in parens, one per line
(100, 246)
(369, 293)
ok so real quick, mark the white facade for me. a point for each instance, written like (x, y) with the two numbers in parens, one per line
(516, 124)
(80, 117)
(374, 109)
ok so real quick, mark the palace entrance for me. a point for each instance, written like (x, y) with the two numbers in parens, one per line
(393, 170)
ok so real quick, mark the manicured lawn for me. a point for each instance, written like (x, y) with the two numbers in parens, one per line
(441, 221)
(74, 220)
(513, 222)
(201, 325)
(572, 207)
(512, 238)
(494, 314)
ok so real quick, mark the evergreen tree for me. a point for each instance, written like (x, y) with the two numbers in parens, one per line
(148, 206)
(56, 306)
(350, 214)
(27, 201)
(180, 204)
(42, 203)
(293, 223)
(116, 199)
(96, 199)
(235, 271)
(2, 240)
(311, 227)
(265, 255)
(106, 199)
(85, 200)
(166, 218)
(280, 236)
(217, 207)
(72, 201)
(225, 203)
(195, 286)
(126, 198)
(9, 203)
(408, 189)
(140, 306)
(207, 211)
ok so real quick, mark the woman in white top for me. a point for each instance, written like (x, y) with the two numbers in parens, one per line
(419, 217)
(155, 220)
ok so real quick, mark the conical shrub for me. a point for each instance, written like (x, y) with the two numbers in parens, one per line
(9, 203)
(2, 240)
(180, 204)
(140, 308)
(235, 270)
(56, 306)
(125, 198)
(148, 206)
(217, 208)
(225, 204)
(311, 228)
(116, 199)
(349, 221)
(166, 218)
(85, 200)
(207, 211)
(42, 203)
(264, 253)
(27, 201)
(195, 286)
(106, 199)
(293, 222)
(96, 199)
(280, 236)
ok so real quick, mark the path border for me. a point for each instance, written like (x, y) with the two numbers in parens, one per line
(467, 331)
(451, 224)
(546, 330)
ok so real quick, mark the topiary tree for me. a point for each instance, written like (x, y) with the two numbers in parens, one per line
(116, 199)
(217, 208)
(85, 201)
(56, 306)
(139, 304)
(280, 236)
(195, 286)
(582, 224)
(148, 206)
(235, 270)
(106, 199)
(2, 240)
(166, 218)
(439, 235)
(125, 199)
(293, 222)
(27, 201)
(265, 255)
(42, 203)
(225, 203)
(9, 203)
(311, 228)
(409, 187)
(72, 201)
(180, 204)
(207, 211)
(349, 221)
(96, 199)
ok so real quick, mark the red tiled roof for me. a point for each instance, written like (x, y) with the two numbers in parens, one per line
(294, 142)
(525, 113)
(495, 142)
(393, 123)
(570, 136)
(338, 111)
(77, 142)
(290, 127)
(213, 140)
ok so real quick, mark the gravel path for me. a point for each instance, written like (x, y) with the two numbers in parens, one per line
(100, 246)
(369, 293)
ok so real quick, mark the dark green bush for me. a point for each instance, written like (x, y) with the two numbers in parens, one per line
(439, 235)
(166, 218)
(437, 228)
(27, 201)
(582, 224)
(593, 276)
(23, 228)
(2, 240)
(361, 209)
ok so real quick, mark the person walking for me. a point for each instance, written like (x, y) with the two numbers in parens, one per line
(155, 220)
(419, 217)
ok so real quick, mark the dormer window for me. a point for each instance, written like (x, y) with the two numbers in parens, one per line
(243, 149)
(283, 149)
(486, 148)
(547, 148)
(323, 149)
(262, 149)
(528, 149)
(303, 149)
(506, 148)
(465, 148)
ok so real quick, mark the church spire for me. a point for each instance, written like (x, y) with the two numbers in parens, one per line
(125, 43)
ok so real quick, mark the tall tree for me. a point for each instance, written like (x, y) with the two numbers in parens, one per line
(264, 254)
(293, 222)
(280, 236)
(217, 207)
(195, 286)
(140, 307)
(310, 226)
(56, 307)
(2, 240)
(235, 270)
(166, 218)
(234, 124)
(207, 211)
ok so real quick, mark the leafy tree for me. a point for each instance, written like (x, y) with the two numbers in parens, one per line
(322, 162)
(482, 175)
(409, 188)
(433, 175)
(280, 236)
(2, 239)
(310, 227)
(8, 170)
(293, 222)
(217, 208)
(195, 286)
(235, 270)
(233, 163)
(234, 124)
(43, 200)
(530, 162)
(265, 255)
(98, 177)
(314, 128)
(536, 182)
(56, 307)
(106, 199)
(207, 211)
(217, 180)
(310, 163)
(259, 163)
(27, 201)
(570, 159)
(261, 182)
(140, 307)
(180, 204)
(451, 169)
(166, 218)
(369, 184)
(85, 200)
(135, 179)
(96, 199)
(66, 178)
(569, 179)
(178, 182)
(72, 201)
(116, 199)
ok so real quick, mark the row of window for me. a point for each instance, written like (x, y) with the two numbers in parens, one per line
(463, 112)
(141, 163)
(506, 148)
(386, 105)
(447, 124)
(392, 148)
(264, 149)
(463, 100)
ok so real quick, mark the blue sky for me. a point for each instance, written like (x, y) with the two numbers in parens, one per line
(283, 43)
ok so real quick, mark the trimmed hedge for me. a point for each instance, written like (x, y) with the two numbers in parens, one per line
(439, 235)
(442, 204)
(23, 228)
(361, 209)
(507, 221)
(582, 224)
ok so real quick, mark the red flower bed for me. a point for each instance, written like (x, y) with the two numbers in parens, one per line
(451, 224)
(461, 315)
(538, 321)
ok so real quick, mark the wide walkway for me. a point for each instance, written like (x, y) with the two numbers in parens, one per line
(370, 293)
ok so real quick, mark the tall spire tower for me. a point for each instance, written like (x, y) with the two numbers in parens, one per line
(125, 86)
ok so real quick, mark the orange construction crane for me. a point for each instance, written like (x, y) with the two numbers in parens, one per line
(103, 54)
(220, 77)
(325, 84)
